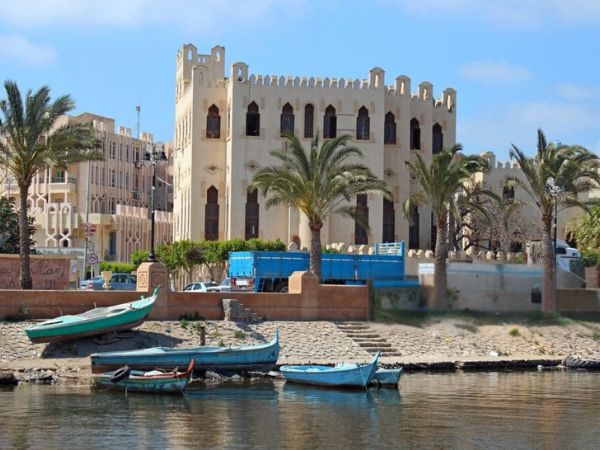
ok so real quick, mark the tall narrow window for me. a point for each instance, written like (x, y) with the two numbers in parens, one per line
(211, 215)
(213, 123)
(389, 221)
(329, 123)
(287, 119)
(362, 124)
(389, 129)
(309, 120)
(252, 214)
(413, 230)
(252, 120)
(437, 142)
(362, 211)
(415, 135)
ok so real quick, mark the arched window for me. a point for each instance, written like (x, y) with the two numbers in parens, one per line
(211, 214)
(329, 123)
(362, 124)
(415, 134)
(252, 120)
(508, 194)
(389, 129)
(309, 120)
(413, 230)
(362, 211)
(287, 119)
(389, 221)
(437, 142)
(213, 123)
(252, 214)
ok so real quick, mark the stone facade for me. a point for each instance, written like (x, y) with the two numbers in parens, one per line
(226, 126)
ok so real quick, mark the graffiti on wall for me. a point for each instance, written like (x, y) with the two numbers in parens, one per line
(46, 273)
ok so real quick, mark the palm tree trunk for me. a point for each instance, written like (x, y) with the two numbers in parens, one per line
(25, 277)
(549, 290)
(315, 248)
(440, 277)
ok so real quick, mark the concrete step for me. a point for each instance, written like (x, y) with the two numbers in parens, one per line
(391, 354)
(354, 328)
(378, 345)
(363, 335)
(369, 339)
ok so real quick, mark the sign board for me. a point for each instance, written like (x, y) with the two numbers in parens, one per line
(91, 229)
(93, 258)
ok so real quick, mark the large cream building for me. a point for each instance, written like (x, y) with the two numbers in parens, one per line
(113, 196)
(226, 127)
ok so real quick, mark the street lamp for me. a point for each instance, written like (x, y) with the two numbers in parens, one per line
(154, 157)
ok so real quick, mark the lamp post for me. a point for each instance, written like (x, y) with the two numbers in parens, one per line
(555, 188)
(154, 157)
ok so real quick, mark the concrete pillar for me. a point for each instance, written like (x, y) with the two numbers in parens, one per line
(151, 275)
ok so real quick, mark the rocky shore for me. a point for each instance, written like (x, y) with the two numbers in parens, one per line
(445, 344)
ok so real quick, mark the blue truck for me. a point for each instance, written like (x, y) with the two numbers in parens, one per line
(269, 271)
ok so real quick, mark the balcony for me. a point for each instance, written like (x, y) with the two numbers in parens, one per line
(63, 184)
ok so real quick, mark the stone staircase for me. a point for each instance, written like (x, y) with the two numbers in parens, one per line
(235, 311)
(372, 342)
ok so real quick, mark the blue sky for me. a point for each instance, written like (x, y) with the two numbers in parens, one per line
(517, 64)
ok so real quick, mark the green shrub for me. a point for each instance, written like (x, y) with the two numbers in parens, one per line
(117, 267)
(591, 258)
(514, 332)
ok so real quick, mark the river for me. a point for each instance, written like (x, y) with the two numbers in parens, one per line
(544, 409)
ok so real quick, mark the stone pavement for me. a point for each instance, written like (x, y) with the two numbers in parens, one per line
(449, 341)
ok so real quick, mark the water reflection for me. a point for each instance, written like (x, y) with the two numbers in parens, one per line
(462, 410)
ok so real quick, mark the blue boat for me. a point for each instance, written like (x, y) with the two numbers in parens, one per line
(245, 357)
(128, 380)
(341, 375)
(95, 321)
(387, 377)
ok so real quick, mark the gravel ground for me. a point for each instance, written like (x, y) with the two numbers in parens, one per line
(448, 340)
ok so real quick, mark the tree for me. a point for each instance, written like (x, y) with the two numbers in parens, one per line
(30, 142)
(575, 170)
(9, 227)
(440, 182)
(319, 182)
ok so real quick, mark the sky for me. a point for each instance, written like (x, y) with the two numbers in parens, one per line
(517, 65)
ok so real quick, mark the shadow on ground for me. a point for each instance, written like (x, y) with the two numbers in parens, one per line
(119, 341)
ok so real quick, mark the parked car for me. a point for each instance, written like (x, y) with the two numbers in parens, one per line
(200, 286)
(233, 284)
(118, 282)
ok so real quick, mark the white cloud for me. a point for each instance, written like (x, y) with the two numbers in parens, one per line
(525, 13)
(494, 71)
(571, 91)
(21, 49)
(193, 15)
(496, 130)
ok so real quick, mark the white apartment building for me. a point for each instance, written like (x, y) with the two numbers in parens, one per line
(226, 126)
(112, 196)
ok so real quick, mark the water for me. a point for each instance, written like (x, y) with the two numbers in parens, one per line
(547, 409)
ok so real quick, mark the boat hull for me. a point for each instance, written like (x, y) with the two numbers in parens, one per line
(387, 377)
(344, 375)
(251, 357)
(93, 322)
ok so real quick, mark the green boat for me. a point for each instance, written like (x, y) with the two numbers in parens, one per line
(95, 321)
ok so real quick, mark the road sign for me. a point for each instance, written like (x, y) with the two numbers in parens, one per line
(91, 229)
(93, 258)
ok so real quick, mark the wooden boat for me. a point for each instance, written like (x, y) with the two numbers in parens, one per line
(137, 381)
(341, 375)
(387, 377)
(245, 357)
(574, 362)
(95, 321)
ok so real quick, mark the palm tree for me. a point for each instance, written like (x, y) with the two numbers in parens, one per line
(319, 182)
(440, 182)
(30, 142)
(557, 173)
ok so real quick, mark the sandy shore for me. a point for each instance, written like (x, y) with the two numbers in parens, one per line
(443, 344)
